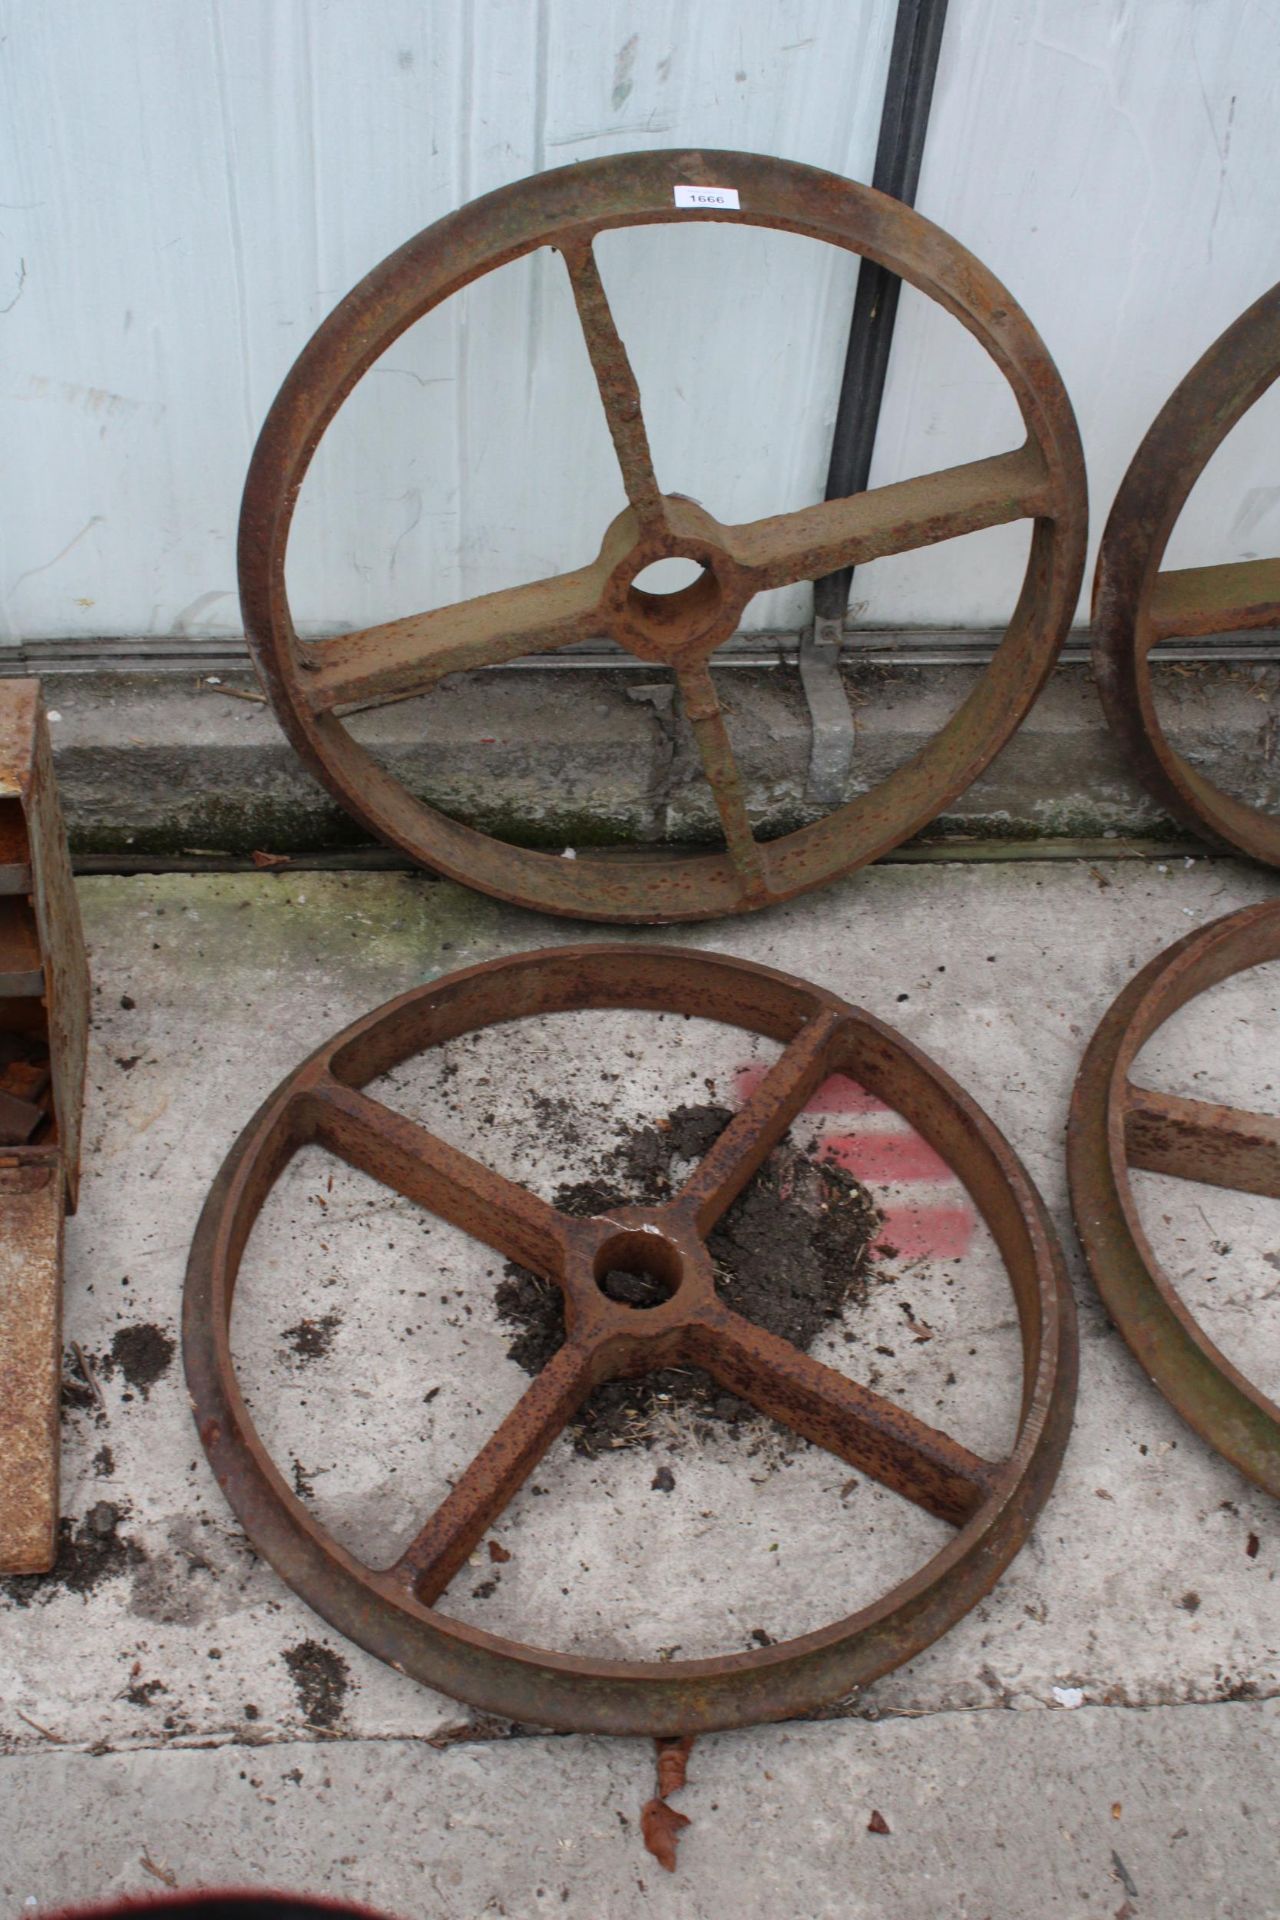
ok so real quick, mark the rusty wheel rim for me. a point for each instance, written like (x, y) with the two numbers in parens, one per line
(1136, 605)
(310, 684)
(1116, 1125)
(388, 1610)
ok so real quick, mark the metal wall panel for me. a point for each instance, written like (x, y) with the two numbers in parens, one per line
(188, 189)
(1115, 162)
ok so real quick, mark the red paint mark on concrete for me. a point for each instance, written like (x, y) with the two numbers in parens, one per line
(886, 1158)
(940, 1233)
(939, 1230)
(838, 1094)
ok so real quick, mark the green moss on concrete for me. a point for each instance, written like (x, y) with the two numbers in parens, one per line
(299, 819)
(1054, 822)
(241, 830)
(209, 937)
(553, 827)
(240, 827)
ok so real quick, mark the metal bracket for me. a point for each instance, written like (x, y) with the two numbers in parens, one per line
(831, 748)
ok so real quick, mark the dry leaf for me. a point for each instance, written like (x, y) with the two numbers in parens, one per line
(673, 1759)
(661, 1826)
(481, 1726)
(156, 1871)
(233, 693)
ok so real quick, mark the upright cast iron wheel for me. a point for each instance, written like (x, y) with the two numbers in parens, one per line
(1136, 605)
(312, 685)
(390, 1610)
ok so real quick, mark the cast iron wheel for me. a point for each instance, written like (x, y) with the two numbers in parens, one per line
(1116, 1125)
(1135, 605)
(310, 684)
(390, 1610)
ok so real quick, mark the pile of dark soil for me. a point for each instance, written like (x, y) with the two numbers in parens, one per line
(88, 1553)
(790, 1254)
(320, 1678)
(142, 1353)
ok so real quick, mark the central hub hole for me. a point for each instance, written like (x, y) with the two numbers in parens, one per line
(675, 599)
(638, 1269)
(668, 576)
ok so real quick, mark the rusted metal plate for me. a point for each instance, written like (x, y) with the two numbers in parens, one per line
(390, 1609)
(313, 684)
(1136, 605)
(44, 1020)
(1116, 1125)
(31, 1210)
(21, 966)
(66, 968)
(33, 843)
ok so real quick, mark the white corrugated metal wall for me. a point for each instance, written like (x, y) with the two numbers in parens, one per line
(188, 188)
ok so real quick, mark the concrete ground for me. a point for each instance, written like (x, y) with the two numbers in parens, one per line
(1097, 1738)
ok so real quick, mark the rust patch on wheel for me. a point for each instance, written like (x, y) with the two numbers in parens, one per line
(313, 685)
(390, 1610)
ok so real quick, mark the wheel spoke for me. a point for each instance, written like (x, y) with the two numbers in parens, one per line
(488, 1484)
(848, 1419)
(619, 393)
(1196, 1140)
(706, 717)
(449, 1183)
(760, 1123)
(1192, 601)
(408, 656)
(894, 519)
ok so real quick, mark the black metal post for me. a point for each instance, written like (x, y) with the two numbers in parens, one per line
(904, 120)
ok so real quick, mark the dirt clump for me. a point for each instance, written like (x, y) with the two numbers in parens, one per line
(88, 1554)
(312, 1339)
(320, 1678)
(143, 1692)
(141, 1353)
(790, 1254)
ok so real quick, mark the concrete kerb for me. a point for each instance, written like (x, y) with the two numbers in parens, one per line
(153, 764)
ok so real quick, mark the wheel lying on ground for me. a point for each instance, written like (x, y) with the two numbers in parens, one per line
(1116, 1125)
(390, 1610)
(311, 685)
(1135, 605)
